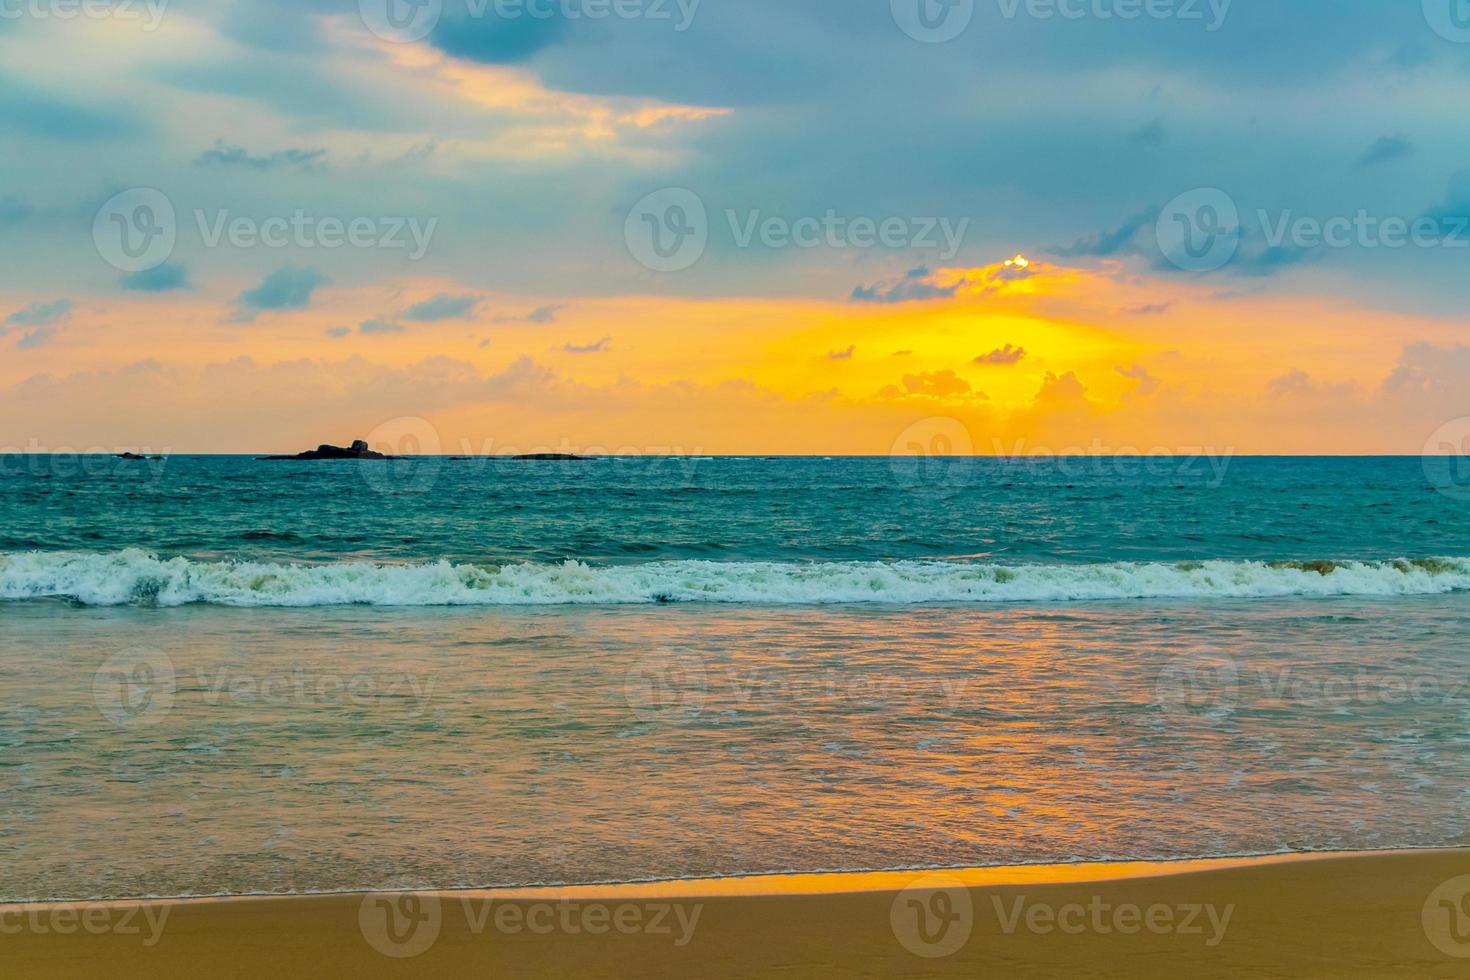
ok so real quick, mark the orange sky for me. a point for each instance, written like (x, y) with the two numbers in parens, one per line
(1113, 362)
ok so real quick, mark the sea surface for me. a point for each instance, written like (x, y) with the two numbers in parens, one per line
(220, 675)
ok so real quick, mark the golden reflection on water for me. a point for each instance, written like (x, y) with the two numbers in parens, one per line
(355, 748)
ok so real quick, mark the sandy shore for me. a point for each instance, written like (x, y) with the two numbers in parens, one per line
(1390, 914)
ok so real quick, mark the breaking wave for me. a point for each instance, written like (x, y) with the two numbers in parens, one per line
(135, 577)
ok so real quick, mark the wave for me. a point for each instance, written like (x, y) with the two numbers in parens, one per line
(135, 577)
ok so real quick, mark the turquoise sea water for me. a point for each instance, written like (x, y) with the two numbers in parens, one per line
(219, 675)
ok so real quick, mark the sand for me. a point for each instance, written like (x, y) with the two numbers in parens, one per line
(1385, 914)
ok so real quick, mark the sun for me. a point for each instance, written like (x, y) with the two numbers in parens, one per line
(1018, 262)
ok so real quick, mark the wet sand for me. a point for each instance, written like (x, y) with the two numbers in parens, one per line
(1385, 914)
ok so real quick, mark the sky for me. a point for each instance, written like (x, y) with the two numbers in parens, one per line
(710, 226)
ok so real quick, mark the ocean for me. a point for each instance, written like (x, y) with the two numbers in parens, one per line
(220, 675)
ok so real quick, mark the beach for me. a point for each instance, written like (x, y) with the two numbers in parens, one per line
(1386, 914)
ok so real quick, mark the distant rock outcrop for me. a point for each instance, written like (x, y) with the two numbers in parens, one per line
(135, 456)
(550, 457)
(359, 450)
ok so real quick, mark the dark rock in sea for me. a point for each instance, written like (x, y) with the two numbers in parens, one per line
(550, 457)
(135, 456)
(359, 450)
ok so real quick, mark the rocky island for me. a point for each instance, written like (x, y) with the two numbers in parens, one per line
(358, 450)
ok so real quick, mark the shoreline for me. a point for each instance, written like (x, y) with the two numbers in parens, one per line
(1375, 913)
(825, 881)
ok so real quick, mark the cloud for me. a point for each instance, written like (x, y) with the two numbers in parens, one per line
(36, 338)
(1453, 213)
(541, 314)
(338, 331)
(1294, 383)
(379, 324)
(1384, 149)
(1151, 309)
(1002, 355)
(289, 288)
(222, 155)
(936, 384)
(1118, 241)
(1147, 383)
(498, 40)
(594, 348)
(442, 307)
(40, 314)
(13, 210)
(1149, 134)
(31, 112)
(160, 279)
(842, 355)
(916, 284)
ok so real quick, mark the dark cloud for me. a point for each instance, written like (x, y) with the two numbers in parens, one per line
(379, 324)
(285, 289)
(1384, 149)
(29, 111)
(40, 314)
(541, 314)
(1147, 383)
(842, 355)
(1149, 134)
(442, 307)
(13, 210)
(221, 155)
(38, 337)
(499, 40)
(1003, 356)
(1120, 240)
(596, 347)
(160, 279)
(916, 284)
(936, 384)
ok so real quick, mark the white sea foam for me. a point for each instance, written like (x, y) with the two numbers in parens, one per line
(134, 577)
